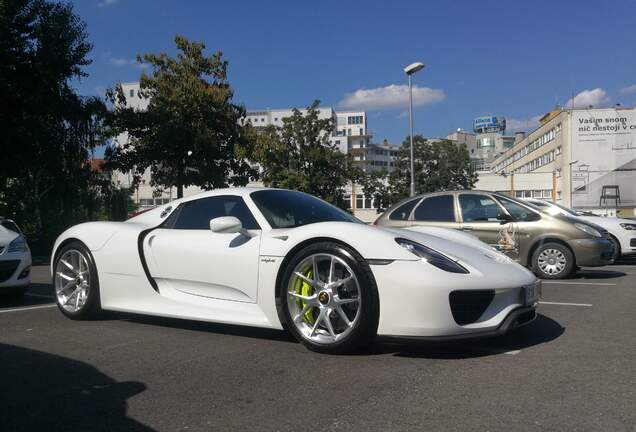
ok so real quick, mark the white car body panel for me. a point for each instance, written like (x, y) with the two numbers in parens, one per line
(24, 258)
(228, 278)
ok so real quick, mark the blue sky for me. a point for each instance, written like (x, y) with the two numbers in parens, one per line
(515, 59)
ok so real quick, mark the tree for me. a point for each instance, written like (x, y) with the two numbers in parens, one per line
(191, 132)
(49, 131)
(300, 156)
(439, 165)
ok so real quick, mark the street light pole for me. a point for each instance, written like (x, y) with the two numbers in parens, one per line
(412, 190)
(410, 70)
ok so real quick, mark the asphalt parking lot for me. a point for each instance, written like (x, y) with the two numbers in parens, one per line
(574, 368)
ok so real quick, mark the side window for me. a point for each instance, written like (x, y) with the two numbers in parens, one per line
(196, 214)
(437, 209)
(478, 208)
(518, 212)
(404, 211)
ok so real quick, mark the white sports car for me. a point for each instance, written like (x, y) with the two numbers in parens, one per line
(283, 259)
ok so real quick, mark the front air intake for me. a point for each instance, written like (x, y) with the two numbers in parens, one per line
(468, 305)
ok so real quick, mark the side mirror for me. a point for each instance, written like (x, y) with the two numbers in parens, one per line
(226, 225)
(504, 218)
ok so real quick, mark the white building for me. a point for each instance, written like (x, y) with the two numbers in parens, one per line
(585, 158)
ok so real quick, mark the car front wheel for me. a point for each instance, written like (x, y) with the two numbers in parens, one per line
(331, 300)
(76, 283)
(552, 261)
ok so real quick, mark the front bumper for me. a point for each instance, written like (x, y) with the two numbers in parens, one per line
(592, 252)
(415, 300)
(13, 267)
(515, 319)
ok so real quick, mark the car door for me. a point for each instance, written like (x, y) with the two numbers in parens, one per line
(188, 257)
(480, 214)
(437, 210)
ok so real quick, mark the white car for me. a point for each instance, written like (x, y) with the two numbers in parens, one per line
(622, 231)
(283, 259)
(15, 260)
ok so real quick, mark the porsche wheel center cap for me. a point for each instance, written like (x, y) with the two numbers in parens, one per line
(323, 298)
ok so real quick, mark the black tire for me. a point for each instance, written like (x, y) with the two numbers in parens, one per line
(365, 327)
(568, 268)
(617, 248)
(91, 309)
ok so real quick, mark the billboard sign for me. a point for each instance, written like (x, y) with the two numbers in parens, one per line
(489, 123)
(604, 148)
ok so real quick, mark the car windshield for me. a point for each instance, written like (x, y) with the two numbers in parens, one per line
(289, 209)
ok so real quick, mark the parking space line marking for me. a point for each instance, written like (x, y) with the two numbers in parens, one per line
(579, 283)
(49, 305)
(566, 304)
(39, 295)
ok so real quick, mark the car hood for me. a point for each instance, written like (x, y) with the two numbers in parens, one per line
(605, 221)
(7, 236)
(478, 257)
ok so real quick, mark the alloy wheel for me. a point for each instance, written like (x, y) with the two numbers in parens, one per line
(323, 298)
(72, 280)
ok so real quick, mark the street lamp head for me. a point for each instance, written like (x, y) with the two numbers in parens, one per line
(573, 162)
(413, 67)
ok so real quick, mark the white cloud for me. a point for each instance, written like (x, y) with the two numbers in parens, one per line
(514, 125)
(120, 61)
(105, 3)
(390, 97)
(629, 89)
(596, 97)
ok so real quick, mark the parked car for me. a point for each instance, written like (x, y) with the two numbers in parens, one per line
(15, 260)
(622, 231)
(551, 245)
(283, 259)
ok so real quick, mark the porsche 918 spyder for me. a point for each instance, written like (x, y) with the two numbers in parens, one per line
(286, 260)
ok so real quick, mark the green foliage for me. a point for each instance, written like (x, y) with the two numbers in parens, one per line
(439, 165)
(191, 133)
(48, 131)
(300, 156)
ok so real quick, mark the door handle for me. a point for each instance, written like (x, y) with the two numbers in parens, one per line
(467, 228)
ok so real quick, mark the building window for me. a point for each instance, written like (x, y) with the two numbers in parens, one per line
(347, 199)
(367, 202)
(359, 201)
(132, 93)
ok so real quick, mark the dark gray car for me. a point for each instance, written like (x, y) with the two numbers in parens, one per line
(552, 246)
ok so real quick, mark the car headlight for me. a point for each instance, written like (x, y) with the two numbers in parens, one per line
(588, 229)
(431, 256)
(19, 244)
(628, 226)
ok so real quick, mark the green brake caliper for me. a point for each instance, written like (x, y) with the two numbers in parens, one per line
(303, 288)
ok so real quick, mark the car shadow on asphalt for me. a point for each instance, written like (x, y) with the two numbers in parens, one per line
(541, 330)
(46, 392)
(37, 294)
(590, 273)
(202, 326)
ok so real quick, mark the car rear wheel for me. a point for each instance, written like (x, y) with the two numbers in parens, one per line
(76, 283)
(552, 261)
(330, 299)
